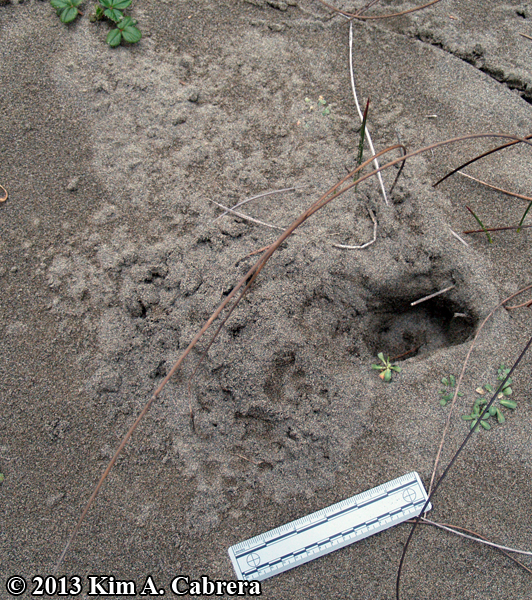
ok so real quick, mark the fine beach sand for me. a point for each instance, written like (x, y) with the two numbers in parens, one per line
(111, 259)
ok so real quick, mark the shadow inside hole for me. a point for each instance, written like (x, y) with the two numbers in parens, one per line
(402, 331)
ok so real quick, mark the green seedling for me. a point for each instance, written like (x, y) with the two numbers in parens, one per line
(494, 411)
(67, 9)
(124, 27)
(446, 395)
(362, 135)
(1, 477)
(386, 368)
(113, 9)
(523, 217)
(322, 103)
(481, 224)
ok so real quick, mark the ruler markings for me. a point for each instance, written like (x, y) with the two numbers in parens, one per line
(329, 529)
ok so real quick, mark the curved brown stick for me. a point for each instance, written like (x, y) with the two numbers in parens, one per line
(497, 189)
(424, 521)
(252, 274)
(367, 18)
(509, 228)
(483, 155)
(5, 196)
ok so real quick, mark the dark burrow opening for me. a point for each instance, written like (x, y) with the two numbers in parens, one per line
(402, 331)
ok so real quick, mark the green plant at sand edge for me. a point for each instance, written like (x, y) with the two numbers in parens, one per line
(67, 9)
(112, 10)
(494, 411)
(125, 29)
(447, 394)
(386, 368)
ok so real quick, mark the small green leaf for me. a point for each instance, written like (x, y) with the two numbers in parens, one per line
(474, 425)
(486, 415)
(132, 34)
(68, 15)
(445, 381)
(467, 417)
(493, 410)
(1, 477)
(460, 394)
(485, 425)
(380, 356)
(378, 367)
(500, 417)
(114, 37)
(121, 4)
(452, 380)
(387, 375)
(113, 14)
(489, 388)
(125, 22)
(508, 403)
(507, 391)
(396, 369)
(106, 3)
(443, 402)
(60, 4)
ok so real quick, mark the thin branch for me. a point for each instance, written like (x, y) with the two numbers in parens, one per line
(372, 241)
(358, 16)
(514, 194)
(291, 189)
(495, 229)
(483, 155)
(527, 303)
(432, 295)
(459, 238)
(476, 539)
(525, 36)
(455, 528)
(361, 116)
(4, 197)
(246, 217)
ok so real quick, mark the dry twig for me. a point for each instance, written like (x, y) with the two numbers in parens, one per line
(508, 193)
(432, 295)
(360, 16)
(479, 538)
(372, 241)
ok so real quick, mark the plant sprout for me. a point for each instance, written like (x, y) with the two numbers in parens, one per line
(386, 368)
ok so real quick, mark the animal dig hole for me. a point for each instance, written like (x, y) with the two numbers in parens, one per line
(402, 331)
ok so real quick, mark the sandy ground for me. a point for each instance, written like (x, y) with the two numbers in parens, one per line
(111, 259)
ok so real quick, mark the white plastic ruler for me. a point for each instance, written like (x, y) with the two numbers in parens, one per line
(329, 529)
